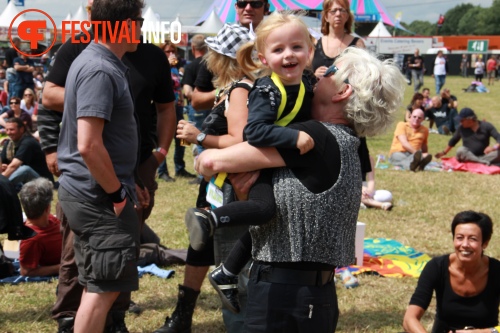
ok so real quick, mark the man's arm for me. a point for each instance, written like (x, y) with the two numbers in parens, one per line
(53, 96)
(187, 90)
(95, 155)
(23, 68)
(241, 157)
(201, 100)
(165, 127)
(406, 145)
(13, 166)
(40, 271)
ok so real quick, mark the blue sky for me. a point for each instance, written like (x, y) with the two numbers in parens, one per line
(190, 10)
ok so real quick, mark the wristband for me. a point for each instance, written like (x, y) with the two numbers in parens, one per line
(119, 195)
(119, 204)
(161, 151)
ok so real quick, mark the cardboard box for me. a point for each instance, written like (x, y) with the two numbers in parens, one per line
(11, 249)
(360, 237)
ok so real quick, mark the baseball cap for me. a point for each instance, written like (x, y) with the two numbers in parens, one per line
(465, 113)
(229, 39)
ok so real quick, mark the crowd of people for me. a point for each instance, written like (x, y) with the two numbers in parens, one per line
(282, 163)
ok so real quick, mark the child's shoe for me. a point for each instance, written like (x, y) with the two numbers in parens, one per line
(227, 288)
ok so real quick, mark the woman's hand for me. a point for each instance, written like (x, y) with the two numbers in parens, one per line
(187, 131)
(320, 71)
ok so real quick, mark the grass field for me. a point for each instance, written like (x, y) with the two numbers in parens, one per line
(425, 204)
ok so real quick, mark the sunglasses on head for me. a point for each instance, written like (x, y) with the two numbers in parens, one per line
(253, 4)
(331, 71)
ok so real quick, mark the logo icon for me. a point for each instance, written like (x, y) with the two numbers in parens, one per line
(33, 31)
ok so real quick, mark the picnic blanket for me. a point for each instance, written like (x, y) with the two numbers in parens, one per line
(390, 258)
(452, 164)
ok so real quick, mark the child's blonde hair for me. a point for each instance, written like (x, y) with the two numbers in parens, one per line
(274, 21)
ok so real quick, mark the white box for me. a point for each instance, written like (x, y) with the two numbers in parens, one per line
(360, 237)
(11, 249)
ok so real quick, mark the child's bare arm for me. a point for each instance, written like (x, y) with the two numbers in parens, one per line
(304, 142)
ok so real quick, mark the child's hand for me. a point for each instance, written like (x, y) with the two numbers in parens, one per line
(304, 142)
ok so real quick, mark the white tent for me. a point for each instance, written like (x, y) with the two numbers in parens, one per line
(80, 15)
(380, 31)
(212, 24)
(8, 15)
(151, 21)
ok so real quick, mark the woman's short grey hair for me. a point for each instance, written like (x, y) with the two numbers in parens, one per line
(378, 90)
(36, 196)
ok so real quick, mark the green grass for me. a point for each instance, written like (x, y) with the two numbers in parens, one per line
(425, 203)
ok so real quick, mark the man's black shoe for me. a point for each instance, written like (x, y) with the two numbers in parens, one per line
(166, 178)
(185, 174)
(65, 324)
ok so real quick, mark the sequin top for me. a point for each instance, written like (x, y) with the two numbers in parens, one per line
(314, 227)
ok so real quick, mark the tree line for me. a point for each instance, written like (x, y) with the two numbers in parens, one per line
(463, 19)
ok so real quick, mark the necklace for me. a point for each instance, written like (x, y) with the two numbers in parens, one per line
(339, 48)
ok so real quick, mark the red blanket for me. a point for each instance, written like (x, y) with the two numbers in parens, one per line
(453, 164)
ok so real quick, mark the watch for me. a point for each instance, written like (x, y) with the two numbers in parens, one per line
(200, 137)
(494, 330)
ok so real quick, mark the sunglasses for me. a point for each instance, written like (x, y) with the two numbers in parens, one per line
(28, 94)
(333, 11)
(140, 20)
(14, 102)
(253, 4)
(331, 71)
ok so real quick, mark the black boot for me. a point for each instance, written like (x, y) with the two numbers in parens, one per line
(181, 319)
(65, 324)
(118, 325)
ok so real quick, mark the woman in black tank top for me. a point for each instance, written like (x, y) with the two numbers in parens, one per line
(336, 23)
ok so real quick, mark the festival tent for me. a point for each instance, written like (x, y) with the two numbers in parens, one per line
(8, 15)
(151, 20)
(364, 10)
(212, 24)
(380, 31)
(80, 15)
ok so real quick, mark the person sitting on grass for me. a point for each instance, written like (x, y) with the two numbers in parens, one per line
(417, 102)
(476, 138)
(374, 198)
(40, 255)
(466, 281)
(409, 145)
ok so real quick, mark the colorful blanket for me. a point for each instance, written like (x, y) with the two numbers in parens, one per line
(451, 163)
(390, 258)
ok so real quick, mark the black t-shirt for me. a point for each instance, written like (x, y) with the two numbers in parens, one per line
(439, 115)
(24, 77)
(10, 55)
(150, 80)
(418, 61)
(191, 72)
(204, 78)
(28, 150)
(319, 168)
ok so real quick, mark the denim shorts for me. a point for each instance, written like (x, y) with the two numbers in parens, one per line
(106, 246)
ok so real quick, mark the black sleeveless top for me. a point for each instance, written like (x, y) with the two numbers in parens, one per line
(321, 59)
(216, 123)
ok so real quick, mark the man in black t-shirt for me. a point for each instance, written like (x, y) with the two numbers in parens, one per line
(417, 67)
(24, 67)
(22, 157)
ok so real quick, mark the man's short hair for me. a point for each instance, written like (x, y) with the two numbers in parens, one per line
(198, 42)
(36, 196)
(15, 120)
(115, 11)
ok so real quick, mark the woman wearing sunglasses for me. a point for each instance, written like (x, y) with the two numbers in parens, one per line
(16, 112)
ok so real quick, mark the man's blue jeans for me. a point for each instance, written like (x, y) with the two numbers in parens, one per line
(440, 80)
(22, 175)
